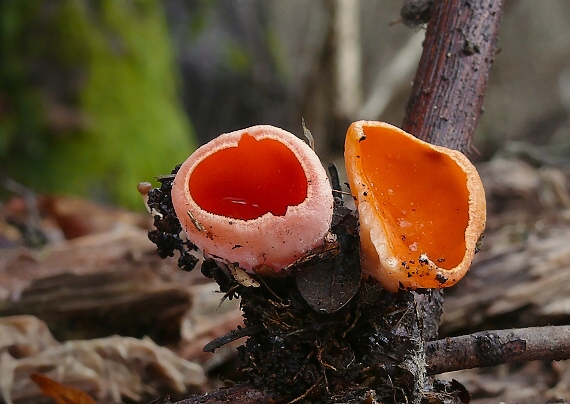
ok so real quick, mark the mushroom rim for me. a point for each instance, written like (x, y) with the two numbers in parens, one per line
(388, 269)
(301, 150)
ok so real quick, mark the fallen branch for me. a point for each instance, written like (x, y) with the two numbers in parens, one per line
(491, 348)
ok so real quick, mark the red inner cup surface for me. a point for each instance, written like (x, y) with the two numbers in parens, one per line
(247, 181)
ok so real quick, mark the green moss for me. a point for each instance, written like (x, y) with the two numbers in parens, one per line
(237, 58)
(122, 87)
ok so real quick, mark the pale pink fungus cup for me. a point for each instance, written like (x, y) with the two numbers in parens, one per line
(257, 197)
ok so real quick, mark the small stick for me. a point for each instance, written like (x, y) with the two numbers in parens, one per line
(231, 336)
(491, 348)
(335, 179)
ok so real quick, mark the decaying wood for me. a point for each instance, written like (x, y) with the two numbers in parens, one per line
(519, 284)
(101, 285)
(108, 368)
(520, 277)
(96, 281)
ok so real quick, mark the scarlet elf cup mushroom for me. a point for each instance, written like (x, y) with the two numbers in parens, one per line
(257, 196)
(421, 207)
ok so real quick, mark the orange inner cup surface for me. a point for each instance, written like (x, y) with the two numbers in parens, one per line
(420, 195)
(247, 181)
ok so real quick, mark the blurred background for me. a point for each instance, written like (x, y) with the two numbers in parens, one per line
(96, 96)
(99, 95)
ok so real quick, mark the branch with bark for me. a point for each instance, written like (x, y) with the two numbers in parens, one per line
(487, 348)
(451, 80)
(491, 348)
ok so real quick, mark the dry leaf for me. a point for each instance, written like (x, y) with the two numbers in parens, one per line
(242, 277)
(63, 394)
(112, 368)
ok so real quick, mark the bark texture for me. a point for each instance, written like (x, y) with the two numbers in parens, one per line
(451, 80)
(490, 348)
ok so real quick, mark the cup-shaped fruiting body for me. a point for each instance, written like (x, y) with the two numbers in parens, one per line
(421, 207)
(257, 197)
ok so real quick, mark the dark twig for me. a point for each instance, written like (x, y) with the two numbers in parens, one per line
(451, 79)
(490, 348)
(231, 336)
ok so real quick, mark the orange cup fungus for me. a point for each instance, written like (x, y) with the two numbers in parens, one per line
(257, 197)
(421, 207)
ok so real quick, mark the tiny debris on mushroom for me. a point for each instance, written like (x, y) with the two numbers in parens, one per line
(262, 189)
(417, 203)
(144, 188)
